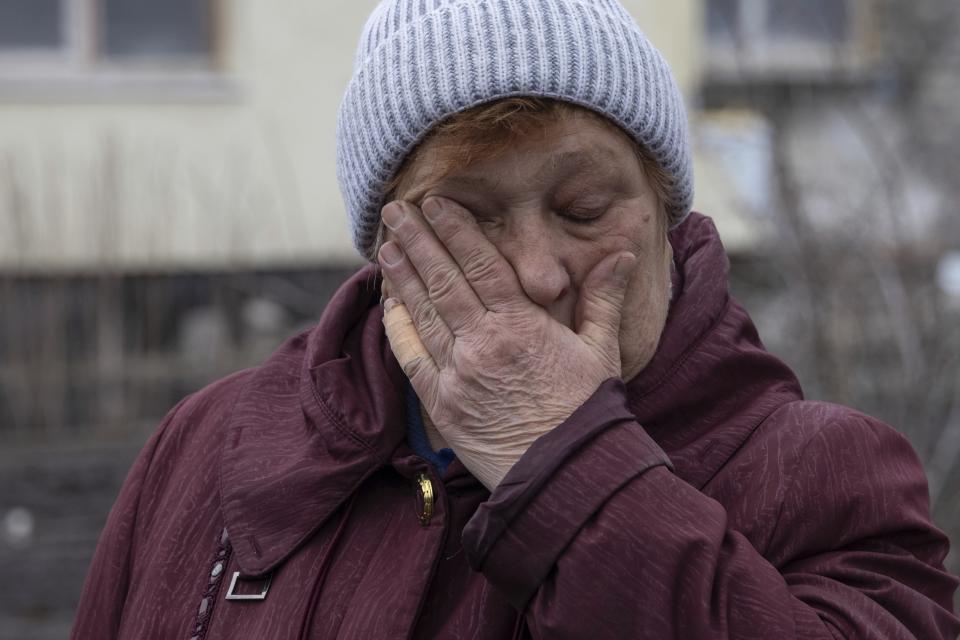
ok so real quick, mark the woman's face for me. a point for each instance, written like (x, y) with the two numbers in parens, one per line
(555, 205)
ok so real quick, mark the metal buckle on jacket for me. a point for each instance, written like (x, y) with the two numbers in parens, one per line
(247, 596)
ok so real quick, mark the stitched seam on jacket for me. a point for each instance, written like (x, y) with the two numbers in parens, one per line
(793, 480)
(485, 552)
(679, 362)
(338, 423)
(753, 430)
(543, 478)
(228, 420)
(593, 514)
(312, 531)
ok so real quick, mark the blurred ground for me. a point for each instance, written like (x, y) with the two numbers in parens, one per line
(67, 489)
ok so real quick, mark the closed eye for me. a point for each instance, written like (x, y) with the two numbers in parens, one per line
(579, 215)
(487, 223)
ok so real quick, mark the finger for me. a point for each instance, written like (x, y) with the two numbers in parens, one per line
(386, 288)
(485, 268)
(406, 345)
(405, 285)
(445, 283)
(601, 305)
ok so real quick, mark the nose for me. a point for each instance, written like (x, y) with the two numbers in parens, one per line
(531, 247)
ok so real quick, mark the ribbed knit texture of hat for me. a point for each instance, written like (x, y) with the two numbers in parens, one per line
(420, 61)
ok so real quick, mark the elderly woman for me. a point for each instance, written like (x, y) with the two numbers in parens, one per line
(551, 421)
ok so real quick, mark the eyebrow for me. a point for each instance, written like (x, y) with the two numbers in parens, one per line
(467, 182)
(561, 165)
(567, 163)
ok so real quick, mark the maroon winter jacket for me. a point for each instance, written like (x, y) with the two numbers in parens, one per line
(705, 499)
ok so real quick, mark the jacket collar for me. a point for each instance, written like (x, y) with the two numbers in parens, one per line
(711, 382)
(323, 413)
(327, 409)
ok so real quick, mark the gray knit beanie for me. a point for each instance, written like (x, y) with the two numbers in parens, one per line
(420, 61)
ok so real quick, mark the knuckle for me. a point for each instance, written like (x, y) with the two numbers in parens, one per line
(457, 230)
(412, 238)
(441, 282)
(425, 317)
(604, 299)
(474, 322)
(402, 276)
(497, 350)
(480, 265)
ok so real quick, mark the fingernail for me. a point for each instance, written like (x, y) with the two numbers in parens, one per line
(432, 209)
(391, 253)
(624, 265)
(392, 215)
(390, 304)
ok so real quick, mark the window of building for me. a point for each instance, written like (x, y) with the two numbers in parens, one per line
(753, 38)
(81, 45)
(156, 29)
(826, 21)
(723, 20)
(31, 24)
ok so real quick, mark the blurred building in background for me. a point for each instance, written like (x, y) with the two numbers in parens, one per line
(169, 212)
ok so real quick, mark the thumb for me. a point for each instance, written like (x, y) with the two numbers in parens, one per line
(600, 307)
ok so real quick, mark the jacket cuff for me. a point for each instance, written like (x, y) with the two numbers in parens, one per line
(565, 477)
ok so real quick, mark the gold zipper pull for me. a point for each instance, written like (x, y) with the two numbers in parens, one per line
(426, 494)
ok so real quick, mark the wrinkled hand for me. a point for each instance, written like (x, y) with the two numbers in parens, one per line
(492, 369)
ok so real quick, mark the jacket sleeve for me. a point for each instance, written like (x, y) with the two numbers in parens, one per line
(593, 536)
(101, 603)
